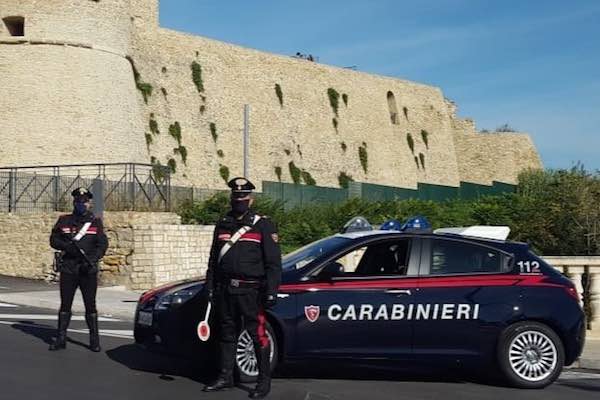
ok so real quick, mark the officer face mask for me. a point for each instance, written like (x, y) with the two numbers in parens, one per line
(79, 207)
(240, 207)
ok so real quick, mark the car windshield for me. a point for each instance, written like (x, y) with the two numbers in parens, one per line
(304, 255)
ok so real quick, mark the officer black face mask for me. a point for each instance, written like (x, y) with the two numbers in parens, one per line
(240, 207)
(79, 208)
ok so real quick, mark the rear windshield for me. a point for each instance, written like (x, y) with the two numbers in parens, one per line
(305, 255)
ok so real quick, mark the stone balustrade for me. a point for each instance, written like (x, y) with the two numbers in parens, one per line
(582, 270)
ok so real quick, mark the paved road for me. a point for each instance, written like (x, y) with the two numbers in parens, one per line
(124, 371)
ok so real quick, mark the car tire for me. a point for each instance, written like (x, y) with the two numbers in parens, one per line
(530, 355)
(247, 373)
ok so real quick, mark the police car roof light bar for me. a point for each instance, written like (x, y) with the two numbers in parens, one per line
(479, 231)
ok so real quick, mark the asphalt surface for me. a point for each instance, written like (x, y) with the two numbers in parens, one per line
(125, 371)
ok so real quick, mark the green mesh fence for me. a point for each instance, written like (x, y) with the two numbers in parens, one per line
(297, 195)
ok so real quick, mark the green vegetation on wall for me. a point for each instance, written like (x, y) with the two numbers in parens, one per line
(308, 179)
(213, 131)
(295, 172)
(172, 164)
(417, 162)
(425, 137)
(175, 132)
(364, 157)
(197, 76)
(164, 91)
(182, 151)
(279, 94)
(278, 173)
(344, 146)
(422, 159)
(143, 87)
(334, 99)
(220, 153)
(405, 110)
(344, 180)
(153, 125)
(224, 172)
(148, 140)
(345, 99)
(335, 123)
(158, 170)
(411, 143)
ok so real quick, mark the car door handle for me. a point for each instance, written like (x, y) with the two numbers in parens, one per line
(405, 292)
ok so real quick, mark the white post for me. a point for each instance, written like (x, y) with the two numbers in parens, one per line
(595, 298)
(576, 275)
(246, 138)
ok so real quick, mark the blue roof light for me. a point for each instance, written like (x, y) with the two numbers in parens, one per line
(417, 223)
(391, 225)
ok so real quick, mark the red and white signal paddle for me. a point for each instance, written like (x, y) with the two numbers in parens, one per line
(203, 329)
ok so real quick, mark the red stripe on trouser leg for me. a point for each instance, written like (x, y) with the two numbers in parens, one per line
(262, 334)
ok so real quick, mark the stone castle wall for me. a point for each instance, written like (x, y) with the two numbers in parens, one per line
(78, 103)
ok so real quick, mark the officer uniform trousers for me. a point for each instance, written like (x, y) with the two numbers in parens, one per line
(242, 305)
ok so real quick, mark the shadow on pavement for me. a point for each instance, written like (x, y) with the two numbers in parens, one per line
(167, 367)
(43, 332)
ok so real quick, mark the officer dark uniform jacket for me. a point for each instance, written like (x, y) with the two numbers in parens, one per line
(78, 264)
(244, 282)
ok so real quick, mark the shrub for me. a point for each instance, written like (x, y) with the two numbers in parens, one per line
(505, 128)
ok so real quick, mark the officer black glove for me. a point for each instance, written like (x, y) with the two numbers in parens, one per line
(209, 295)
(270, 300)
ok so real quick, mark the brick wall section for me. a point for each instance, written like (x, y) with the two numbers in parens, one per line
(166, 253)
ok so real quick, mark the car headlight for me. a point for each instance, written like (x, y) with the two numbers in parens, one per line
(177, 298)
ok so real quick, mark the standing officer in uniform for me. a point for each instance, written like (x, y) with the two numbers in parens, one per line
(244, 273)
(81, 240)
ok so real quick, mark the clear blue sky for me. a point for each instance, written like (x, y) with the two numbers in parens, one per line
(534, 64)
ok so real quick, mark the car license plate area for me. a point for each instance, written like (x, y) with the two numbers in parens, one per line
(145, 318)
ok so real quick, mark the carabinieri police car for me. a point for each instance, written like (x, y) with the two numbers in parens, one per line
(463, 295)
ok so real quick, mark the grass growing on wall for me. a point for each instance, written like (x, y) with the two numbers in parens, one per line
(175, 132)
(411, 143)
(144, 87)
(279, 93)
(295, 172)
(334, 99)
(197, 76)
(344, 146)
(172, 164)
(220, 153)
(344, 180)
(364, 157)
(425, 137)
(335, 123)
(153, 125)
(149, 140)
(278, 173)
(213, 131)
(224, 172)
(422, 159)
(417, 162)
(345, 99)
(182, 151)
(308, 179)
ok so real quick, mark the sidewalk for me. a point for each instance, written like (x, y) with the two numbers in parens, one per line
(115, 301)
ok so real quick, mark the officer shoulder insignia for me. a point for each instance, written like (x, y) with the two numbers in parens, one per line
(275, 237)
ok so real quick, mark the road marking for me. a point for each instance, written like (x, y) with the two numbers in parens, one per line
(122, 334)
(45, 317)
(6, 305)
(4, 287)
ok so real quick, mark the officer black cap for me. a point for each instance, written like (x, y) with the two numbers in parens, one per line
(82, 192)
(240, 187)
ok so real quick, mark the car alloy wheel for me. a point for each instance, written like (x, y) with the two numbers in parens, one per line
(245, 356)
(533, 356)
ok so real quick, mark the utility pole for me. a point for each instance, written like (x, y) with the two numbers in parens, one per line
(246, 138)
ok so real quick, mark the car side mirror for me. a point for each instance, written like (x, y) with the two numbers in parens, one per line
(331, 270)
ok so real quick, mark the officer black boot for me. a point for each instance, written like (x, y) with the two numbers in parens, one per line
(60, 341)
(92, 323)
(263, 382)
(223, 381)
